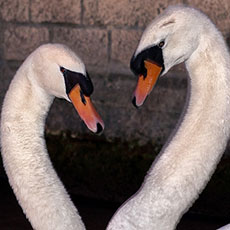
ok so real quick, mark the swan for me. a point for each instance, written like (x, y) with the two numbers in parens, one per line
(226, 227)
(189, 158)
(52, 70)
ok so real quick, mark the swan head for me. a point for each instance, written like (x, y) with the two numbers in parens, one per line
(170, 39)
(61, 73)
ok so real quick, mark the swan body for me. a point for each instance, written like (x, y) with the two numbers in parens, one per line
(187, 161)
(35, 183)
(226, 227)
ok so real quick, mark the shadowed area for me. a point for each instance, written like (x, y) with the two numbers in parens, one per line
(101, 175)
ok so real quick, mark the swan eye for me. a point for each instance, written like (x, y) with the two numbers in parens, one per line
(62, 69)
(161, 44)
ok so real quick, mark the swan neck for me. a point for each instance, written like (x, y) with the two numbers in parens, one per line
(25, 101)
(189, 158)
(36, 185)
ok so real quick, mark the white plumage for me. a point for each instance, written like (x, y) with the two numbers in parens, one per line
(36, 185)
(226, 227)
(187, 162)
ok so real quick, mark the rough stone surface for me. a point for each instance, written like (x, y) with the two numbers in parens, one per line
(14, 10)
(20, 41)
(123, 13)
(140, 13)
(67, 11)
(124, 42)
(90, 44)
(90, 13)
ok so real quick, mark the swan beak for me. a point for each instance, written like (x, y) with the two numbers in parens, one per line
(86, 110)
(146, 84)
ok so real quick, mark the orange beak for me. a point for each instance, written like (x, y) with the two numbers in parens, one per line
(86, 110)
(146, 84)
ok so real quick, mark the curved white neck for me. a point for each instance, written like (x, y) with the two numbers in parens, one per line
(36, 185)
(190, 158)
(186, 163)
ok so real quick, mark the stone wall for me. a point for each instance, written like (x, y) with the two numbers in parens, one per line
(104, 33)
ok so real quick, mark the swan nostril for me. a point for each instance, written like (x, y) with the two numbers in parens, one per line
(134, 102)
(99, 128)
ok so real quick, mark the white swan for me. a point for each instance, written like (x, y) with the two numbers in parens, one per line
(226, 227)
(51, 70)
(181, 34)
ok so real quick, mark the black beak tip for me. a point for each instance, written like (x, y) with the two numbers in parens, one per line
(99, 128)
(134, 102)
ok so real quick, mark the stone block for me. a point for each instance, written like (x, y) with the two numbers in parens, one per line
(124, 43)
(123, 13)
(91, 45)
(115, 90)
(169, 94)
(20, 41)
(64, 11)
(90, 15)
(62, 116)
(14, 10)
(140, 13)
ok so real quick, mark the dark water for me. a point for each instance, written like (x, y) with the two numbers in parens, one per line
(95, 214)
